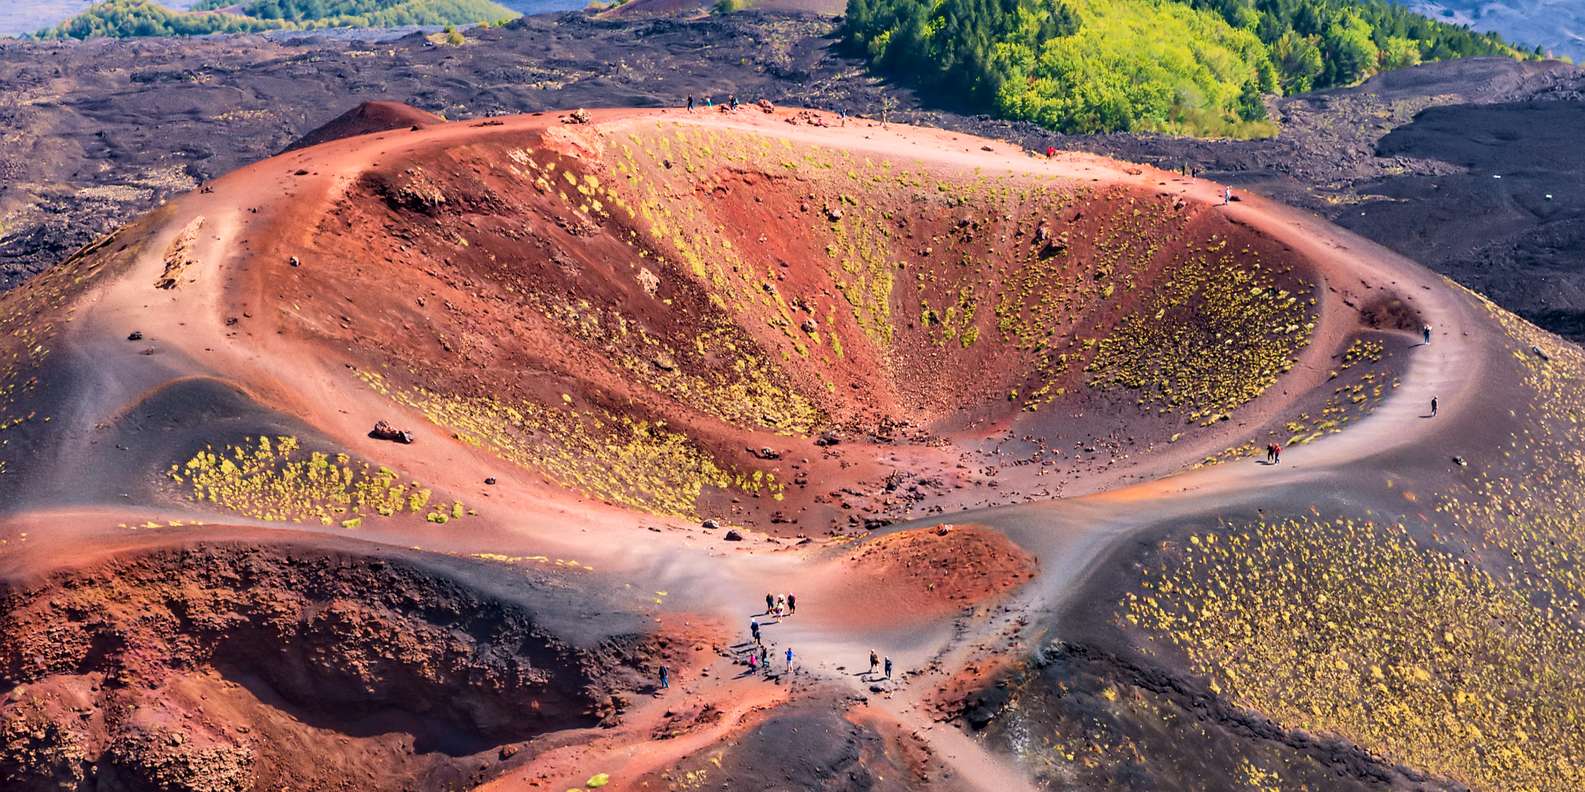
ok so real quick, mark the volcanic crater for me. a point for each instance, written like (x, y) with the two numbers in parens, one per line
(625, 372)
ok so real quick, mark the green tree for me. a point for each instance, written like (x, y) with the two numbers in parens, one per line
(1350, 53)
(1298, 62)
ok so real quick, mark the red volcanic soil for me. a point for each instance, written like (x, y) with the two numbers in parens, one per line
(368, 118)
(925, 572)
(651, 365)
(241, 667)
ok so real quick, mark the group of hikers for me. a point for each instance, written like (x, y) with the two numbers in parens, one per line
(709, 102)
(779, 606)
(875, 662)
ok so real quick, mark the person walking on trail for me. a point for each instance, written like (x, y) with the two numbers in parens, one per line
(789, 658)
(1433, 406)
(770, 602)
(753, 628)
(753, 662)
(1227, 195)
(709, 103)
(764, 660)
(888, 668)
(1276, 453)
(792, 604)
(1051, 151)
(1271, 453)
(690, 103)
(875, 660)
(781, 605)
(665, 678)
(1425, 334)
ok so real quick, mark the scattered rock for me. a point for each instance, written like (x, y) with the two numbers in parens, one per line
(385, 431)
(579, 116)
(710, 524)
(827, 439)
(135, 335)
(490, 481)
(833, 213)
(733, 536)
(295, 261)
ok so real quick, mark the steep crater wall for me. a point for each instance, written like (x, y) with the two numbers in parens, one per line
(222, 667)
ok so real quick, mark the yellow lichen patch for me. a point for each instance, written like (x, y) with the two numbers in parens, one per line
(271, 479)
(745, 391)
(616, 458)
(1215, 335)
(1353, 628)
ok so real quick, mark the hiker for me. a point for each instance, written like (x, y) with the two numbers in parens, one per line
(764, 659)
(753, 662)
(888, 668)
(842, 116)
(1271, 453)
(753, 628)
(665, 677)
(875, 660)
(770, 602)
(1051, 151)
(1227, 195)
(781, 605)
(708, 103)
(1433, 406)
(1425, 332)
(789, 658)
(792, 604)
(690, 103)
(1276, 453)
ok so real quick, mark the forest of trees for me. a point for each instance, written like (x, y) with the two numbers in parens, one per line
(132, 18)
(1197, 67)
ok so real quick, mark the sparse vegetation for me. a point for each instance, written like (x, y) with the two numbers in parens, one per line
(1352, 627)
(270, 479)
(616, 458)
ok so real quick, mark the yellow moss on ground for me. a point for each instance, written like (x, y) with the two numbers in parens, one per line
(1214, 336)
(630, 462)
(273, 480)
(1353, 628)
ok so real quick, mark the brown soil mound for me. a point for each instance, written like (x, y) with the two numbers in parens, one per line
(368, 118)
(237, 667)
(943, 567)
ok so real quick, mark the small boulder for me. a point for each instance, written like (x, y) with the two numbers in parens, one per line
(135, 335)
(733, 536)
(710, 524)
(385, 431)
(295, 261)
